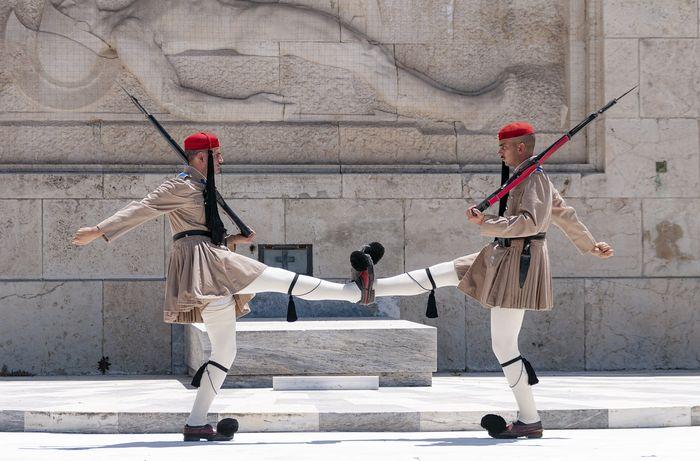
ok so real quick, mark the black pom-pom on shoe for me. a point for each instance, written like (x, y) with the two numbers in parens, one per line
(494, 424)
(375, 250)
(227, 427)
(358, 261)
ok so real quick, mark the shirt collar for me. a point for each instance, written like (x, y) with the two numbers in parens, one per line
(193, 173)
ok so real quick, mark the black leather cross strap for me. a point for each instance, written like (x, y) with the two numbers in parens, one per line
(191, 233)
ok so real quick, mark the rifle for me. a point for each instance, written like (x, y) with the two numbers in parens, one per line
(536, 160)
(245, 230)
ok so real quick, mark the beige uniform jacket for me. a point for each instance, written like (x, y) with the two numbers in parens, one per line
(199, 271)
(492, 275)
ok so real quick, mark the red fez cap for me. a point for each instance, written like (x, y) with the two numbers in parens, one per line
(201, 141)
(515, 129)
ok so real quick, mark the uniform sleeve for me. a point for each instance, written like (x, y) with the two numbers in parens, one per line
(533, 210)
(162, 200)
(566, 219)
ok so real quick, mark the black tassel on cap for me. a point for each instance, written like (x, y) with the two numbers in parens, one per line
(431, 312)
(211, 210)
(291, 307)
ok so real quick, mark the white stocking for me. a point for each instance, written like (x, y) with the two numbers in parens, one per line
(220, 320)
(417, 282)
(274, 279)
(505, 328)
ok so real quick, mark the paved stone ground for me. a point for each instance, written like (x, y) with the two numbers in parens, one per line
(454, 403)
(679, 443)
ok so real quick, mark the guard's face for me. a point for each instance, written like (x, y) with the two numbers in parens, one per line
(218, 159)
(509, 152)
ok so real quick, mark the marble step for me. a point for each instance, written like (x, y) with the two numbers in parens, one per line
(141, 404)
(324, 383)
(400, 352)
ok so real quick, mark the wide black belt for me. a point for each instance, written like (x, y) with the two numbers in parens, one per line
(191, 233)
(525, 255)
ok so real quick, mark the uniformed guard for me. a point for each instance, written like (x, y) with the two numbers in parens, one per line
(206, 280)
(511, 274)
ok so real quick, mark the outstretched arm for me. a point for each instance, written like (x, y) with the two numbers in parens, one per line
(160, 201)
(566, 219)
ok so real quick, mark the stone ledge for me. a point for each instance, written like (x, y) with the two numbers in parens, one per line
(401, 353)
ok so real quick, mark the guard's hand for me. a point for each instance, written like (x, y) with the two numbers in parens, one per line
(602, 250)
(85, 235)
(475, 216)
(232, 240)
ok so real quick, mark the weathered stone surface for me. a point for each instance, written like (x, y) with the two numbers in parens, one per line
(402, 186)
(312, 347)
(136, 339)
(450, 324)
(150, 423)
(42, 185)
(370, 422)
(337, 227)
(436, 421)
(320, 88)
(275, 422)
(615, 221)
(264, 216)
(434, 143)
(649, 417)
(133, 186)
(670, 83)
(575, 419)
(20, 233)
(392, 21)
(227, 74)
(650, 18)
(671, 246)
(12, 421)
(49, 143)
(138, 254)
(633, 148)
(280, 185)
(622, 54)
(642, 324)
(50, 327)
(552, 340)
(438, 231)
(133, 143)
(281, 144)
(65, 421)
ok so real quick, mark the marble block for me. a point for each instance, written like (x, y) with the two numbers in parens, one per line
(399, 352)
(322, 383)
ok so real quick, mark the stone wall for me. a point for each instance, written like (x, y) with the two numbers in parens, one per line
(346, 159)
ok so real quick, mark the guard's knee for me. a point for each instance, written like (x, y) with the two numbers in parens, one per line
(504, 347)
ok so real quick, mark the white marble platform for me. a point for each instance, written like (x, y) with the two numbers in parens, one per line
(325, 383)
(113, 404)
(400, 352)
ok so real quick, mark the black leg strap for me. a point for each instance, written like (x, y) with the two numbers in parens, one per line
(197, 378)
(531, 375)
(431, 311)
(291, 307)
